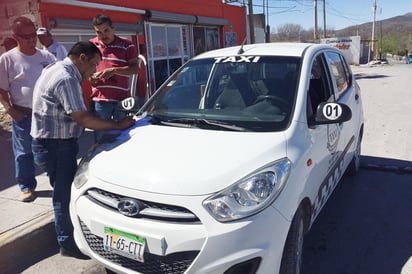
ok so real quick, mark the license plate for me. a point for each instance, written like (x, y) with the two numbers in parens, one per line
(124, 244)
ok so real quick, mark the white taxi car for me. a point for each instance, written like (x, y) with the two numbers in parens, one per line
(227, 167)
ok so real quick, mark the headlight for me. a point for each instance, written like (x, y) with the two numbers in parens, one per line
(251, 194)
(82, 174)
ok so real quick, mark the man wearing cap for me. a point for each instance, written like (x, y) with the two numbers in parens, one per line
(46, 39)
(19, 69)
(9, 43)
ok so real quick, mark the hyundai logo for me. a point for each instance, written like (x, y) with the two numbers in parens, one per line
(128, 207)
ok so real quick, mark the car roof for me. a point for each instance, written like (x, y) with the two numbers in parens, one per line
(261, 49)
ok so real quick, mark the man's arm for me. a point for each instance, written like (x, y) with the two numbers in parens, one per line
(91, 121)
(5, 101)
(131, 68)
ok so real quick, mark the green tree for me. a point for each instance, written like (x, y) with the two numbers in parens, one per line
(289, 32)
(396, 43)
(410, 42)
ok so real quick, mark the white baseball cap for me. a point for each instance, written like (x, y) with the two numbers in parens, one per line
(42, 31)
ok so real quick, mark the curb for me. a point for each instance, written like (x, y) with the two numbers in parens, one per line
(26, 240)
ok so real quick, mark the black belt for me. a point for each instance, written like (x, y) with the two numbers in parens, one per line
(55, 140)
(22, 109)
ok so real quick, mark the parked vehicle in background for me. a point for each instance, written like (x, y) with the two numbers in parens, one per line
(379, 62)
(384, 61)
(228, 165)
(409, 59)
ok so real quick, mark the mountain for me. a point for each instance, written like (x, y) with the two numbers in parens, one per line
(397, 28)
(398, 25)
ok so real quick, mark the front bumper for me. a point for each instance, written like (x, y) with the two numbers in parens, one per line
(200, 245)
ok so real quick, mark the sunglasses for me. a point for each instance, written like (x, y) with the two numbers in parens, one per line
(27, 36)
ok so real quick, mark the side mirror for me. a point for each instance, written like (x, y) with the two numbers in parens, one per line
(331, 113)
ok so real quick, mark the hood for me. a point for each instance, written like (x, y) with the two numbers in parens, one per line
(181, 161)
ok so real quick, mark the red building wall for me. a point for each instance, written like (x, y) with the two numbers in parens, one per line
(236, 16)
(82, 13)
(211, 8)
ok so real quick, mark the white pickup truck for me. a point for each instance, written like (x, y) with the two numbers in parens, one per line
(227, 166)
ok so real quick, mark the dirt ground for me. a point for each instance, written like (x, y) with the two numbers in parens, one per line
(5, 122)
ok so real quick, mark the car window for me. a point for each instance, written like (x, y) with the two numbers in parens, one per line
(319, 86)
(340, 72)
(254, 92)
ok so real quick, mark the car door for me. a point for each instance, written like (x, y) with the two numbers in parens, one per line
(346, 92)
(326, 143)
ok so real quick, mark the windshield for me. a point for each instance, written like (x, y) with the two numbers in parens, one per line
(253, 93)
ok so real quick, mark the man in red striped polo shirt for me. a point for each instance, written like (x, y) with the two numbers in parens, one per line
(110, 84)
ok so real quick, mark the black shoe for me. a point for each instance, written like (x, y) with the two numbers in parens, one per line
(76, 253)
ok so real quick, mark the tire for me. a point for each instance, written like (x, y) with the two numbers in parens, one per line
(354, 165)
(292, 252)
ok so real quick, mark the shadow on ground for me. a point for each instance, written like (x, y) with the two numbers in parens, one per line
(366, 226)
(359, 76)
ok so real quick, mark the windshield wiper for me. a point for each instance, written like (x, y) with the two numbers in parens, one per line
(224, 125)
(191, 122)
(177, 123)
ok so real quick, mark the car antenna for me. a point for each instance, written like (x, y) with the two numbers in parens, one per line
(240, 51)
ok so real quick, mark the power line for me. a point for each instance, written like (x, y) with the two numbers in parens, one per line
(302, 6)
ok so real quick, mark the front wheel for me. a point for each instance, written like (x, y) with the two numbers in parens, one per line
(292, 252)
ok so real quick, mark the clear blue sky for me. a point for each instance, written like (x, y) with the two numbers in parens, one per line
(339, 13)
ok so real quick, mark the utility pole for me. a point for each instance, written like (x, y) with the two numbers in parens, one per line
(373, 28)
(380, 47)
(251, 24)
(324, 19)
(267, 22)
(315, 29)
(373, 32)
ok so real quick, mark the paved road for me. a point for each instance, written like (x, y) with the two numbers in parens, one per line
(366, 227)
(387, 92)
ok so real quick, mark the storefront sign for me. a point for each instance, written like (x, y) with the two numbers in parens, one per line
(350, 47)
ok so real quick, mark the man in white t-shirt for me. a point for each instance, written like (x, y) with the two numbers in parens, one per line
(46, 39)
(19, 69)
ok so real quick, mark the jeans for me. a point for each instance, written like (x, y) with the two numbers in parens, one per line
(58, 158)
(106, 111)
(23, 155)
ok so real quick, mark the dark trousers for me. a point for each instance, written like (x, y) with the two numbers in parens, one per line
(58, 158)
(106, 111)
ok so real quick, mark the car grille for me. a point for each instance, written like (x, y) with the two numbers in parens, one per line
(148, 210)
(173, 263)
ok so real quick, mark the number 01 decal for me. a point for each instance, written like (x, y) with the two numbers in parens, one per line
(128, 103)
(332, 111)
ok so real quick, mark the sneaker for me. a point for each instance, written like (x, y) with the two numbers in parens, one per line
(27, 195)
(75, 253)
